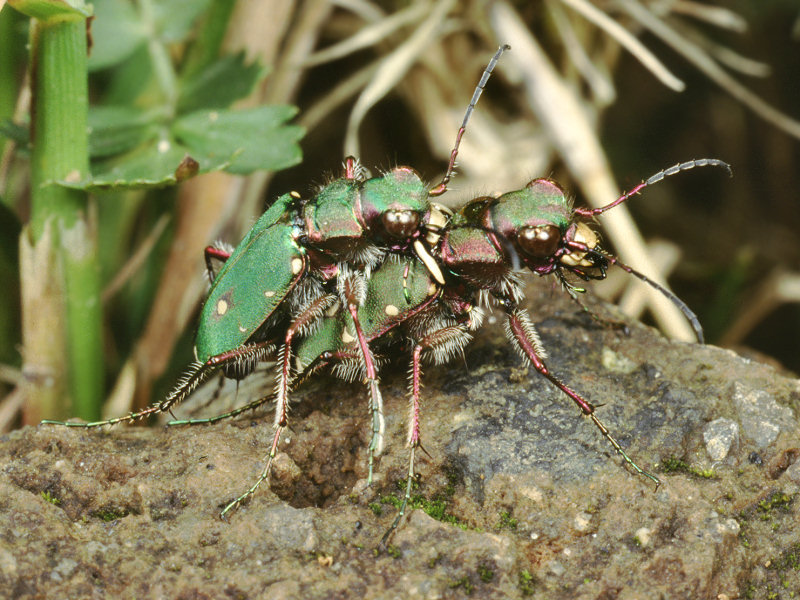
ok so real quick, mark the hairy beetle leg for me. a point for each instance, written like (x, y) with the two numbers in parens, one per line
(375, 397)
(443, 337)
(524, 337)
(196, 375)
(220, 417)
(307, 316)
(262, 478)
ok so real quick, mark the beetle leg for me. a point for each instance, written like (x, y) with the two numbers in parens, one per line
(281, 420)
(375, 398)
(352, 288)
(303, 320)
(220, 252)
(264, 473)
(228, 415)
(443, 343)
(522, 334)
(221, 378)
(306, 317)
(197, 374)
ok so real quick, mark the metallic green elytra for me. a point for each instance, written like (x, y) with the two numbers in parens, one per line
(256, 278)
(348, 220)
(334, 239)
(399, 289)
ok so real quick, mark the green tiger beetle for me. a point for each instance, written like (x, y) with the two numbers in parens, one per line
(482, 250)
(308, 256)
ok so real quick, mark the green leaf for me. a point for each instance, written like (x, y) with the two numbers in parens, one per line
(117, 129)
(147, 167)
(219, 84)
(57, 10)
(174, 18)
(237, 141)
(258, 134)
(117, 32)
(132, 82)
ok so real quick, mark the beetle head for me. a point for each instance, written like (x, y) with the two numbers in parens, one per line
(395, 207)
(536, 225)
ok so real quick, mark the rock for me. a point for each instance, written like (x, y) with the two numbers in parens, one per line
(519, 495)
(719, 435)
(761, 417)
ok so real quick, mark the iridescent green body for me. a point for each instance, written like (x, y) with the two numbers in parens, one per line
(256, 278)
(398, 290)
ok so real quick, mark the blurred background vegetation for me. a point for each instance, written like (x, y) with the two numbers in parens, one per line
(597, 95)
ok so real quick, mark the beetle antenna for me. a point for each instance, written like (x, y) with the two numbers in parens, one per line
(687, 312)
(673, 170)
(441, 187)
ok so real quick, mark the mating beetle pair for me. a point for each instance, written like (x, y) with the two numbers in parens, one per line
(480, 250)
(322, 281)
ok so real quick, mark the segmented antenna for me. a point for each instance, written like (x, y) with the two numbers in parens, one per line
(687, 312)
(441, 187)
(673, 170)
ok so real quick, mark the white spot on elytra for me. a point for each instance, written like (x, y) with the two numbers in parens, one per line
(297, 265)
(347, 338)
(222, 307)
(269, 293)
(391, 310)
(242, 329)
(294, 194)
(432, 289)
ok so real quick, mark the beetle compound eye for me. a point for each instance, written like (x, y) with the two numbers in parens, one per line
(539, 242)
(400, 223)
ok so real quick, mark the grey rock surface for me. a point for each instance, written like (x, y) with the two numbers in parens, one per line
(519, 496)
(720, 435)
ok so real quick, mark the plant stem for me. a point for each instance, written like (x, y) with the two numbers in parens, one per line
(60, 152)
